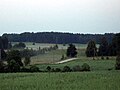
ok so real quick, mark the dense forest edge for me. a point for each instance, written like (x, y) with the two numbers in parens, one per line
(57, 37)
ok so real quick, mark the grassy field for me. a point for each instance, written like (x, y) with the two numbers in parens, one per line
(98, 80)
(96, 65)
(50, 57)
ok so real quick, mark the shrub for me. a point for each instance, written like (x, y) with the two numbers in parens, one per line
(66, 69)
(48, 68)
(85, 67)
(76, 68)
(57, 70)
(34, 69)
(13, 66)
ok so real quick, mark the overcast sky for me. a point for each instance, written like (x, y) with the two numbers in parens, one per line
(77, 16)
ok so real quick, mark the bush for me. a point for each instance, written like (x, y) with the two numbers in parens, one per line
(57, 70)
(66, 69)
(48, 68)
(85, 67)
(34, 69)
(13, 66)
(76, 68)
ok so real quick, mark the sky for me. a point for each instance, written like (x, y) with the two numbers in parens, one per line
(74, 16)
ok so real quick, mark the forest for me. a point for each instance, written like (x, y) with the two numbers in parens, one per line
(57, 37)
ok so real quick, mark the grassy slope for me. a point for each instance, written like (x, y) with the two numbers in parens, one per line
(102, 80)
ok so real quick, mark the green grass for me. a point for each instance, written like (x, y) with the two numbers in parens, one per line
(96, 65)
(103, 80)
(42, 45)
(50, 57)
(99, 78)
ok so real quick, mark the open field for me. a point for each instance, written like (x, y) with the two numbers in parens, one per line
(98, 80)
(96, 65)
(43, 45)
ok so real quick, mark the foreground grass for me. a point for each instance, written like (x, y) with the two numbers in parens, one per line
(99, 80)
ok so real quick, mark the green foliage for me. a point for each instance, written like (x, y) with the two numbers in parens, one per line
(57, 70)
(14, 55)
(27, 60)
(19, 45)
(66, 69)
(56, 37)
(103, 48)
(85, 67)
(13, 66)
(71, 51)
(48, 68)
(34, 69)
(76, 68)
(91, 49)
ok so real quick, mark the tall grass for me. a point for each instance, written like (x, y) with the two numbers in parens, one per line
(61, 81)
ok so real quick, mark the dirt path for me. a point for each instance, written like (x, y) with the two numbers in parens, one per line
(67, 60)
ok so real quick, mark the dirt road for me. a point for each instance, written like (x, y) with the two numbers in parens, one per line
(67, 60)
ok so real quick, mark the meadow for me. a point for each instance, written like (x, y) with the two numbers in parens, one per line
(98, 80)
(102, 76)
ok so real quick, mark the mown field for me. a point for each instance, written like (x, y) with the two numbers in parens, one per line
(102, 76)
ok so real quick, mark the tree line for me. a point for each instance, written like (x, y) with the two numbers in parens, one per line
(57, 37)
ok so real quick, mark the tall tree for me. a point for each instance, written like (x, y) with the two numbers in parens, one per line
(71, 51)
(103, 48)
(91, 50)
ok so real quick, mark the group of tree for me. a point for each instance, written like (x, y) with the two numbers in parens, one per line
(57, 37)
(105, 48)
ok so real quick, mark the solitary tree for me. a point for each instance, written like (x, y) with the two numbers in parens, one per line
(71, 51)
(91, 50)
